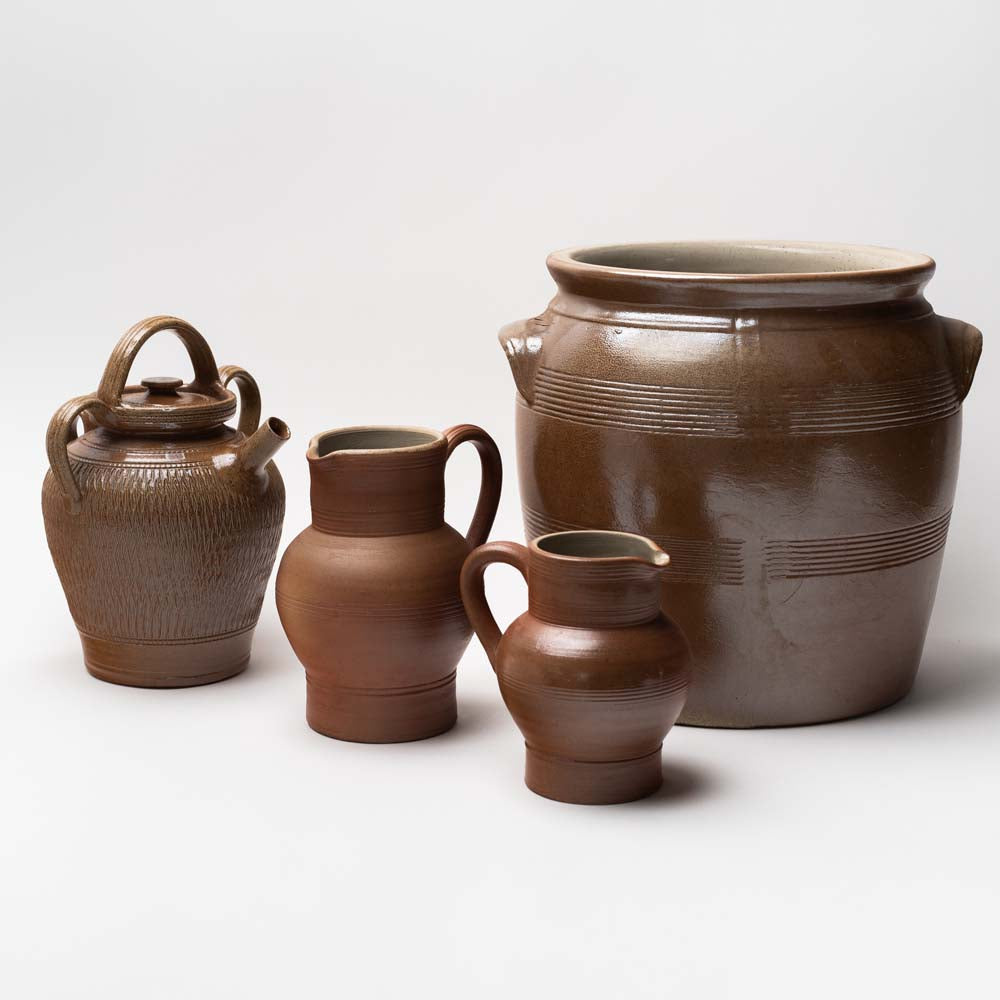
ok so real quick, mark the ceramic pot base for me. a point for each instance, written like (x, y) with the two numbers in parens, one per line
(167, 664)
(373, 715)
(592, 783)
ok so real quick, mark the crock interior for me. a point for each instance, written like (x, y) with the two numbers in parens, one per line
(748, 258)
(373, 439)
(600, 545)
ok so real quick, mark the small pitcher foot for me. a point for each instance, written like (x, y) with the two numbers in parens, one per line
(592, 782)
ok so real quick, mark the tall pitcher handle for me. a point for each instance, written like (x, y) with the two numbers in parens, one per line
(473, 586)
(965, 344)
(61, 431)
(249, 396)
(489, 491)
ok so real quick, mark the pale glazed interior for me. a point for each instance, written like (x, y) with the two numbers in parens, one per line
(602, 545)
(373, 439)
(749, 258)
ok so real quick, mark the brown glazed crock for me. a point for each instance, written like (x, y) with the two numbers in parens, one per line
(593, 673)
(785, 420)
(368, 593)
(163, 522)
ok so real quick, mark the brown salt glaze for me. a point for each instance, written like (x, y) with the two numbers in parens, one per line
(593, 673)
(163, 522)
(368, 593)
(785, 420)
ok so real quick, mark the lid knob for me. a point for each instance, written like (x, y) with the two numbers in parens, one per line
(163, 385)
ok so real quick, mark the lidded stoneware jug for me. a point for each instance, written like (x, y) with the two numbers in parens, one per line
(785, 420)
(594, 673)
(368, 594)
(162, 521)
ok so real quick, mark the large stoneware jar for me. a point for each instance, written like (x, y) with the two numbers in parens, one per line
(784, 419)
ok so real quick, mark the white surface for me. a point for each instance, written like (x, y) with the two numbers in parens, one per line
(349, 200)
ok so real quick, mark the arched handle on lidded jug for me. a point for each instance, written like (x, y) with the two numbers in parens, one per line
(473, 586)
(522, 342)
(249, 396)
(61, 431)
(206, 372)
(965, 345)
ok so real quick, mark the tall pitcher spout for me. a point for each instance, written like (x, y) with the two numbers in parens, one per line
(261, 446)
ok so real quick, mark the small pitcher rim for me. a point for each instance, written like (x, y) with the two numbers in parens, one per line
(657, 557)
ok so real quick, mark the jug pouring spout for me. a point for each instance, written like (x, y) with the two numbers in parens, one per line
(258, 449)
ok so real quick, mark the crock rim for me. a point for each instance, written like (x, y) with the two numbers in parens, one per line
(908, 263)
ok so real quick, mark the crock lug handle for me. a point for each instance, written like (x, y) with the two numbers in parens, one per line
(522, 342)
(965, 345)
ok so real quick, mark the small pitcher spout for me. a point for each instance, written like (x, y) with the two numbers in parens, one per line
(597, 544)
(261, 446)
(657, 557)
(640, 549)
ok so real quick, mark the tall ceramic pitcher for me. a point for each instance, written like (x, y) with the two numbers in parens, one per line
(369, 592)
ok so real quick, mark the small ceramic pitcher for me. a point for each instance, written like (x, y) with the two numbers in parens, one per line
(368, 594)
(594, 673)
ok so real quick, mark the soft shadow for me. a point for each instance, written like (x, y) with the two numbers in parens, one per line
(270, 656)
(475, 715)
(683, 784)
(953, 678)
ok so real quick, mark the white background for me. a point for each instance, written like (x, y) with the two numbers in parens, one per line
(349, 199)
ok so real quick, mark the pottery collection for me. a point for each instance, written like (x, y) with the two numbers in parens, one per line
(593, 673)
(163, 522)
(737, 463)
(784, 419)
(368, 594)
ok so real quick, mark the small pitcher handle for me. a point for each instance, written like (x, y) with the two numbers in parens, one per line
(489, 491)
(61, 431)
(473, 586)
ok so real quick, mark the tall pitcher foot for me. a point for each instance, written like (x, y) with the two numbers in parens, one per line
(381, 715)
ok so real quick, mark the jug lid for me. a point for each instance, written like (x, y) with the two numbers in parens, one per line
(163, 403)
